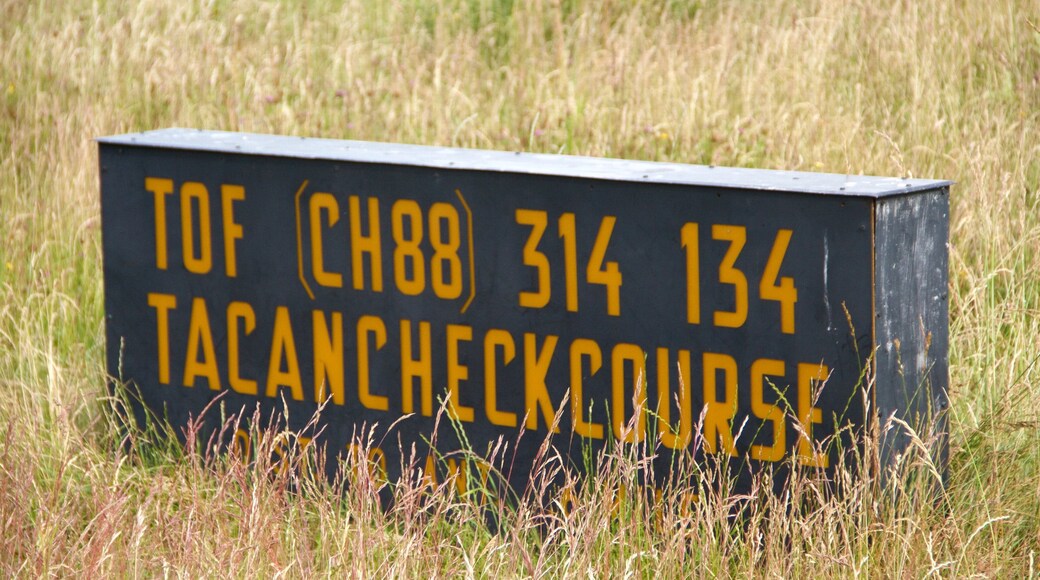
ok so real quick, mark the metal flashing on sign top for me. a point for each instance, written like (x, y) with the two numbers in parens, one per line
(527, 163)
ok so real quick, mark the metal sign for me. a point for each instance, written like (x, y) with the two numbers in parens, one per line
(696, 311)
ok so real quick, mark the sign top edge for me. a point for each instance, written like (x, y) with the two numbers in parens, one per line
(452, 158)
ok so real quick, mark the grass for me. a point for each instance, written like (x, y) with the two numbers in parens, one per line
(885, 87)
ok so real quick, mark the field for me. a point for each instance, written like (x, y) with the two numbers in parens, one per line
(884, 87)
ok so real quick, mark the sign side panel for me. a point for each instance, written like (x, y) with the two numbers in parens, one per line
(913, 320)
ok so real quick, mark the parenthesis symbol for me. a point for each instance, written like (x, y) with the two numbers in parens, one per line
(299, 241)
(472, 269)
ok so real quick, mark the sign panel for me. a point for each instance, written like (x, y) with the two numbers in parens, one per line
(490, 300)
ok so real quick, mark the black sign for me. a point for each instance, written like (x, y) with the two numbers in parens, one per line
(495, 300)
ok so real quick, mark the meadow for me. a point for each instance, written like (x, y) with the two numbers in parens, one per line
(938, 89)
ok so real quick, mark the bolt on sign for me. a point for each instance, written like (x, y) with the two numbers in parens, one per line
(447, 299)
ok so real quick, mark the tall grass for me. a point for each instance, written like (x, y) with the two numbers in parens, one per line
(887, 87)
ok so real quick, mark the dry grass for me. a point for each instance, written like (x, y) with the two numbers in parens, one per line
(929, 89)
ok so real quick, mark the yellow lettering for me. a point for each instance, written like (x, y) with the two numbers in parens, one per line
(457, 372)
(808, 415)
(568, 233)
(239, 311)
(536, 392)
(241, 445)
(377, 459)
(687, 502)
(458, 472)
(369, 325)
(729, 274)
(416, 368)
(328, 358)
(369, 465)
(691, 241)
(319, 202)
(163, 304)
(535, 259)
(621, 355)
(445, 264)
(671, 438)
(406, 249)
(605, 273)
(202, 263)
(784, 292)
(430, 471)
(765, 411)
(495, 338)
(361, 245)
(199, 334)
(483, 471)
(160, 188)
(580, 348)
(305, 457)
(283, 345)
(232, 229)
(719, 414)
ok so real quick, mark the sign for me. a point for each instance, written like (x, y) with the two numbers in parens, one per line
(490, 301)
